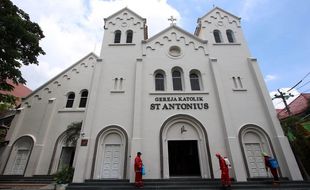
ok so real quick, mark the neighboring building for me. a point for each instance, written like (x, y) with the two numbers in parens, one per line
(20, 91)
(6, 116)
(176, 97)
(297, 107)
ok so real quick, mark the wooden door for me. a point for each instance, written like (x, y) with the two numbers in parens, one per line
(111, 161)
(20, 162)
(255, 160)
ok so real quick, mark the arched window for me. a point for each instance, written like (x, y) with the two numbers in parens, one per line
(64, 149)
(177, 80)
(129, 36)
(83, 99)
(254, 141)
(70, 100)
(117, 36)
(19, 157)
(217, 36)
(230, 36)
(159, 81)
(194, 80)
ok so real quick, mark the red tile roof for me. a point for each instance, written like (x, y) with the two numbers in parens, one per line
(19, 91)
(297, 106)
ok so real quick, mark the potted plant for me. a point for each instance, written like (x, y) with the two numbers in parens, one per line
(63, 177)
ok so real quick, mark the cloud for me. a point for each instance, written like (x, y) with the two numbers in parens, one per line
(73, 28)
(270, 78)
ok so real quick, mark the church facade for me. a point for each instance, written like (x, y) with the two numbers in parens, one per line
(179, 98)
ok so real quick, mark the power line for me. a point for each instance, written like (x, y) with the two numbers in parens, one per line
(304, 84)
(299, 82)
(306, 76)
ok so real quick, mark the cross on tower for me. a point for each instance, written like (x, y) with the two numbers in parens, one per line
(172, 19)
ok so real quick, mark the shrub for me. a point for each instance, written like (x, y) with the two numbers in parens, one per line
(64, 176)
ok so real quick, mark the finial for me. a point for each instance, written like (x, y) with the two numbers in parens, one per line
(172, 19)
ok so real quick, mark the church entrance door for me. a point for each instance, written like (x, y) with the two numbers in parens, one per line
(255, 160)
(183, 158)
(111, 162)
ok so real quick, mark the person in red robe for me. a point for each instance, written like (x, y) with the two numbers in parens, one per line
(225, 179)
(138, 170)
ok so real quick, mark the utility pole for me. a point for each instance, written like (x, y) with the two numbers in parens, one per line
(284, 97)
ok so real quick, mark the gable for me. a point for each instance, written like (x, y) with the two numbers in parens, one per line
(53, 86)
(219, 16)
(123, 17)
(174, 35)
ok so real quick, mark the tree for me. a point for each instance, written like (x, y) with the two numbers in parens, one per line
(19, 45)
(73, 133)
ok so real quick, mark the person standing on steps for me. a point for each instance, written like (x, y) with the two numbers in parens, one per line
(224, 167)
(272, 164)
(138, 170)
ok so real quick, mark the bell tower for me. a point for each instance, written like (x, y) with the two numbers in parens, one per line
(222, 30)
(124, 28)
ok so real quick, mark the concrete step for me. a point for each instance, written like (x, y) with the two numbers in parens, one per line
(22, 179)
(19, 182)
(186, 184)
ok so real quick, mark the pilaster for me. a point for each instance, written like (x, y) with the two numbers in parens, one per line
(284, 155)
(136, 142)
(83, 153)
(233, 147)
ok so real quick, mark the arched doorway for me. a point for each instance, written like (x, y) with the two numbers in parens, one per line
(19, 156)
(65, 146)
(184, 148)
(254, 141)
(110, 159)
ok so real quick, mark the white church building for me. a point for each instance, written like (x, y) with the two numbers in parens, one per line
(179, 98)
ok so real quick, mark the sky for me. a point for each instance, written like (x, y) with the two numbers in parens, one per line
(277, 33)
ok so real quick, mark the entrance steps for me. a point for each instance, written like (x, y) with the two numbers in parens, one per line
(187, 184)
(18, 182)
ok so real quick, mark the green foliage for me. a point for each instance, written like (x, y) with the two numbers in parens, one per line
(19, 43)
(64, 176)
(299, 139)
(307, 126)
(7, 102)
(73, 132)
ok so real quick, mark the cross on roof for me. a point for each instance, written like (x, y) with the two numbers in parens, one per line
(172, 19)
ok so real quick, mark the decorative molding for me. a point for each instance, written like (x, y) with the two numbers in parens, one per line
(117, 91)
(47, 90)
(121, 44)
(227, 44)
(71, 110)
(37, 96)
(234, 89)
(125, 18)
(219, 16)
(252, 59)
(51, 100)
(180, 93)
(174, 36)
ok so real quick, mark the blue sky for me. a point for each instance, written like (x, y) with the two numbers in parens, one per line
(277, 32)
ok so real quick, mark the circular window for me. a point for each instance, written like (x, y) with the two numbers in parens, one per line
(175, 51)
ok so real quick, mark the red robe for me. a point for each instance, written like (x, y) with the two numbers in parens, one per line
(138, 171)
(225, 171)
